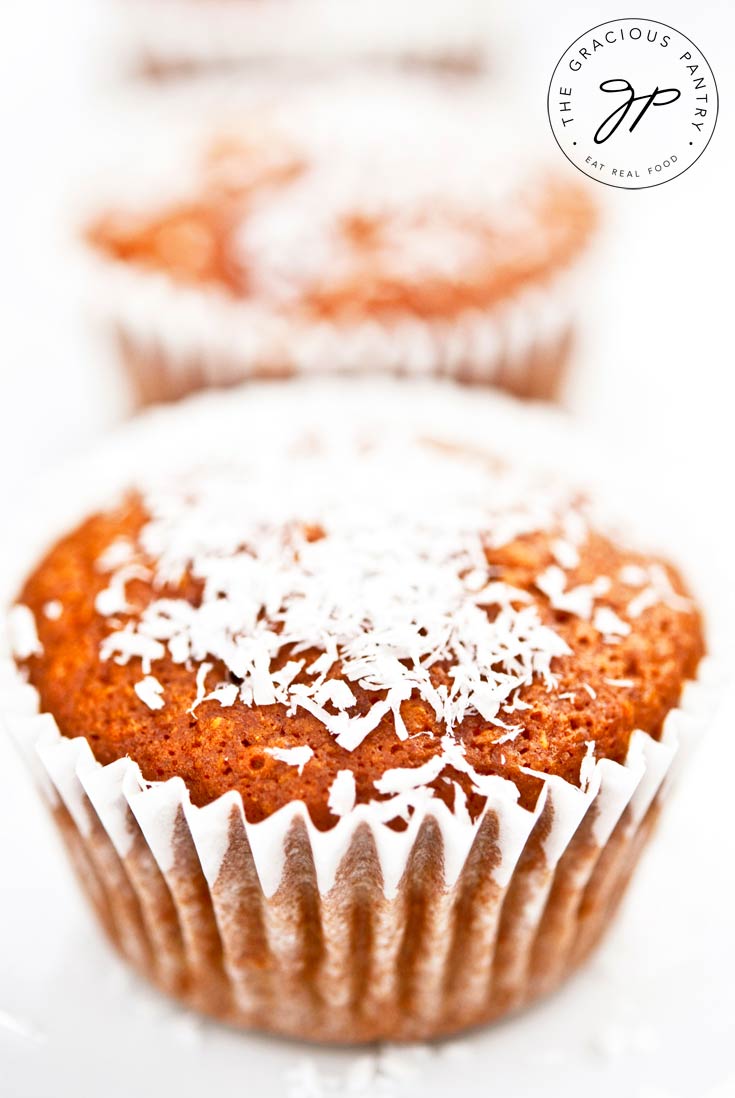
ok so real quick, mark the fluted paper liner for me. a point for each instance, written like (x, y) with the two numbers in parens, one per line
(174, 339)
(360, 932)
(178, 36)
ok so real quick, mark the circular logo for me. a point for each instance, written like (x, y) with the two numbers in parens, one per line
(632, 103)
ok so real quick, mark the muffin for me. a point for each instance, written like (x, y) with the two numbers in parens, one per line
(354, 727)
(174, 38)
(343, 226)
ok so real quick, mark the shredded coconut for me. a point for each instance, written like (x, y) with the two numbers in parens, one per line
(566, 554)
(658, 589)
(576, 600)
(342, 793)
(119, 552)
(379, 568)
(112, 599)
(643, 601)
(150, 692)
(633, 574)
(508, 736)
(607, 622)
(344, 571)
(292, 756)
(385, 1070)
(23, 636)
(405, 778)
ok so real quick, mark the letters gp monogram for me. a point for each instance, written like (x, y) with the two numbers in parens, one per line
(632, 103)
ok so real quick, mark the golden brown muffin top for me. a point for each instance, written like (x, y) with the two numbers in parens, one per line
(379, 608)
(370, 206)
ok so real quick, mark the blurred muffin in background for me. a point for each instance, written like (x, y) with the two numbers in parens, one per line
(170, 38)
(385, 224)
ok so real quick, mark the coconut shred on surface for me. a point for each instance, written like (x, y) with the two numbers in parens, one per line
(373, 552)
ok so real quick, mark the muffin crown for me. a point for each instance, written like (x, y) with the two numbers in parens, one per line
(342, 597)
(373, 553)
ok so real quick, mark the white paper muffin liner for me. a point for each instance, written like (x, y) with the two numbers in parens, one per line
(175, 339)
(171, 35)
(360, 932)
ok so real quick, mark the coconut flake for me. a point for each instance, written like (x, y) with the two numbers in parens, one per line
(226, 694)
(607, 622)
(565, 553)
(658, 589)
(119, 552)
(404, 778)
(643, 601)
(576, 600)
(509, 735)
(397, 581)
(352, 578)
(150, 692)
(112, 599)
(292, 756)
(342, 793)
(201, 686)
(127, 643)
(634, 575)
(22, 631)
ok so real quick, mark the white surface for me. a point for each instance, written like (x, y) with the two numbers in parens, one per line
(652, 1016)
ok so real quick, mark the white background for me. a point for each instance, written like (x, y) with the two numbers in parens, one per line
(653, 1015)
